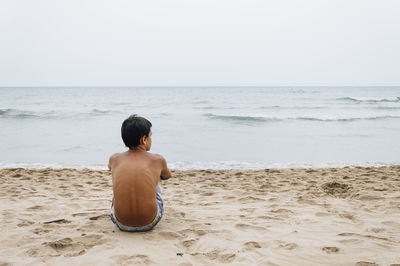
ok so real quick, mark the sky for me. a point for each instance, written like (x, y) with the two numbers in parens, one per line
(199, 43)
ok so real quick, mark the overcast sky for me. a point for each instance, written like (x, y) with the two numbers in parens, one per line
(199, 43)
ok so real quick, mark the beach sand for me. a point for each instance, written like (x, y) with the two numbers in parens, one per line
(319, 216)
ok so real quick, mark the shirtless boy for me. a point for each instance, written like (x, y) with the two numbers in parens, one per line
(137, 203)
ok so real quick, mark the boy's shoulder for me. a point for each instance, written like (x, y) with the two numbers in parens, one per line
(157, 157)
(115, 156)
(112, 159)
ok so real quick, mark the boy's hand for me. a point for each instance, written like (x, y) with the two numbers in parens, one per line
(165, 173)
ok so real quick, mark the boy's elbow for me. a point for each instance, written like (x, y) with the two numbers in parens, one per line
(166, 177)
(166, 174)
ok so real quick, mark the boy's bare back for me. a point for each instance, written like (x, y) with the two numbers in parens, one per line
(135, 175)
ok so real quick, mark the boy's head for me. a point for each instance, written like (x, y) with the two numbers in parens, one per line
(136, 130)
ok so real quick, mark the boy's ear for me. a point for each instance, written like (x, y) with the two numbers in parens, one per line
(143, 140)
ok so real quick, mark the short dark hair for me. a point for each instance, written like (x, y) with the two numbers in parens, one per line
(133, 129)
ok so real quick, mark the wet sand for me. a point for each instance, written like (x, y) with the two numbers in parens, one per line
(319, 216)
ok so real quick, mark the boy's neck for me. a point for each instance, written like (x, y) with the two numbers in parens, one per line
(138, 148)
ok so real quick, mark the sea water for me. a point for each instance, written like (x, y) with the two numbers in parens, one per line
(203, 127)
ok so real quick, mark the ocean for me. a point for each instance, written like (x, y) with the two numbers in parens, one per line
(203, 127)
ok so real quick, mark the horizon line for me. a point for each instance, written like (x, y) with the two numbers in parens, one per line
(208, 86)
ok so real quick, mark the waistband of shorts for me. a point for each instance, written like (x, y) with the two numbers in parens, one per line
(137, 228)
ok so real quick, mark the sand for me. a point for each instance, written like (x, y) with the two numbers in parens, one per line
(332, 216)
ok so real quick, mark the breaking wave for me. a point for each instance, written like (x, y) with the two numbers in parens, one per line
(241, 118)
(248, 118)
(26, 114)
(350, 99)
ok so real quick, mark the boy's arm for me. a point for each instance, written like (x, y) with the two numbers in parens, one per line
(165, 173)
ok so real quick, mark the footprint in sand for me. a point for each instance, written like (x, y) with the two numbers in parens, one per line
(252, 244)
(330, 250)
(336, 189)
(286, 245)
(40, 231)
(74, 247)
(190, 233)
(188, 243)
(60, 244)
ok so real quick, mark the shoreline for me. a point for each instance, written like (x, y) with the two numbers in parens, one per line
(309, 216)
(194, 166)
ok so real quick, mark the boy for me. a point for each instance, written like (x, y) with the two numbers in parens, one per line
(137, 204)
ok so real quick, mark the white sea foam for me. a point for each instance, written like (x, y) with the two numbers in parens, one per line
(223, 165)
